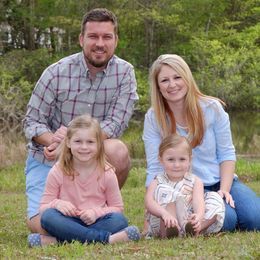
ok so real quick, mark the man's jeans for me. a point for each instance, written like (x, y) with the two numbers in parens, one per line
(66, 228)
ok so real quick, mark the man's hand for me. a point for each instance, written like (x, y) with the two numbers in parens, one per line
(59, 135)
(51, 152)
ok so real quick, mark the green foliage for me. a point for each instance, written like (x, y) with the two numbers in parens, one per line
(132, 138)
(231, 74)
(219, 39)
(19, 71)
(143, 90)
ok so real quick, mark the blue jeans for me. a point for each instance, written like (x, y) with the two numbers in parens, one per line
(66, 228)
(245, 215)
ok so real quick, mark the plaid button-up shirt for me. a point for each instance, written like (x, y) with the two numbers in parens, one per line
(65, 90)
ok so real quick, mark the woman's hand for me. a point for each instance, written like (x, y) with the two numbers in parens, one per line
(228, 198)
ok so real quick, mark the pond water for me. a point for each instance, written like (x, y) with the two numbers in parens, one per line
(246, 132)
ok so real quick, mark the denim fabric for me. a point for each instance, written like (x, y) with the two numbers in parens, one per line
(66, 228)
(36, 174)
(245, 215)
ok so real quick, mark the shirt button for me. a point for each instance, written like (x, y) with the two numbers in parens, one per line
(89, 105)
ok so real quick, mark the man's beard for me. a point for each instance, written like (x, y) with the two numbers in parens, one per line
(97, 63)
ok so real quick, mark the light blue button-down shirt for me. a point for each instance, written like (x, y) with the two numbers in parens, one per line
(216, 146)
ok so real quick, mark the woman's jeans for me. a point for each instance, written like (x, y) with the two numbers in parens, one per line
(66, 228)
(246, 214)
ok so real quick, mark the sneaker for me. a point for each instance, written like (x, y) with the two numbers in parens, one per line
(34, 240)
(133, 233)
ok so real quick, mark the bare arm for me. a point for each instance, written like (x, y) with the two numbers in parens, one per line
(44, 139)
(198, 203)
(198, 198)
(152, 206)
(227, 169)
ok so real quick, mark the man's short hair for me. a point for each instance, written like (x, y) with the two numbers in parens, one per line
(99, 15)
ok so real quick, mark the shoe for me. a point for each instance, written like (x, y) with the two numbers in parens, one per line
(172, 232)
(133, 233)
(34, 240)
(189, 230)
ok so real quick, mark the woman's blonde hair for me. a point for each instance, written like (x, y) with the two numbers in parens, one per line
(66, 157)
(164, 115)
(172, 141)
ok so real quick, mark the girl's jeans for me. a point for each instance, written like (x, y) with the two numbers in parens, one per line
(66, 228)
(245, 215)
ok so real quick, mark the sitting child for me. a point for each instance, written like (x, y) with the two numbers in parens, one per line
(82, 201)
(175, 200)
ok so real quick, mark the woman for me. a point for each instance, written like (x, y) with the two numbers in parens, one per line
(178, 106)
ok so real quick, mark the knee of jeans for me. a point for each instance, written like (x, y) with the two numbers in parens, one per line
(47, 217)
(121, 220)
(249, 221)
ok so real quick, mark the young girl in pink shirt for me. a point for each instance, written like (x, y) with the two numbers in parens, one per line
(82, 201)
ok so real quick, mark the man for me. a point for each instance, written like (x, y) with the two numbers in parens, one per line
(94, 81)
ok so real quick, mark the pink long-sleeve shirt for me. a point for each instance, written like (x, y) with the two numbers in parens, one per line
(100, 192)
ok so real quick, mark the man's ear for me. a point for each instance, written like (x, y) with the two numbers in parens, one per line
(81, 36)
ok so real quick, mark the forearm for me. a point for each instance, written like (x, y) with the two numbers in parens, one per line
(227, 169)
(152, 206)
(198, 202)
(155, 209)
(44, 139)
(200, 211)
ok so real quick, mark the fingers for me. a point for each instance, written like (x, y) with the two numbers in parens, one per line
(60, 134)
(50, 152)
(49, 155)
(196, 222)
(88, 216)
(171, 222)
(229, 200)
(228, 197)
(67, 209)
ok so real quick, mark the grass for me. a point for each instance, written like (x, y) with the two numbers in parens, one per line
(13, 231)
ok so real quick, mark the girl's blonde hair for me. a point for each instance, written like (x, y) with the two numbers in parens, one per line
(66, 157)
(173, 140)
(164, 115)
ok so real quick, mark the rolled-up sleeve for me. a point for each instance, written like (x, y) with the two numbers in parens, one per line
(152, 139)
(40, 108)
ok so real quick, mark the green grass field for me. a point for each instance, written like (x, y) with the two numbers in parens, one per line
(13, 230)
